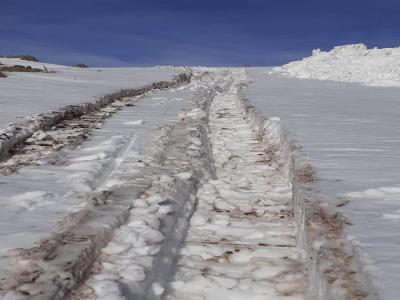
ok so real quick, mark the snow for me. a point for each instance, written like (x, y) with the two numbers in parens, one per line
(350, 135)
(136, 122)
(35, 201)
(158, 218)
(24, 94)
(241, 240)
(257, 256)
(349, 63)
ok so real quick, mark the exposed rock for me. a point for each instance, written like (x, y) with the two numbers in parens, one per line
(19, 68)
(81, 66)
(23, 57)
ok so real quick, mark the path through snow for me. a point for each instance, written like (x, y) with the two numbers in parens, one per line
(204, 211)
(240, 244)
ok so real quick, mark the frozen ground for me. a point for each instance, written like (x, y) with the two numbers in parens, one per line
(350, 63)
(351, 136)
(121, 205)
(188, 194)
(25, 94)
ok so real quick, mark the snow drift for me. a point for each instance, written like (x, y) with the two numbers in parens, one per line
(349, 63)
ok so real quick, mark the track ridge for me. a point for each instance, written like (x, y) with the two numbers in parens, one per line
(241, 242)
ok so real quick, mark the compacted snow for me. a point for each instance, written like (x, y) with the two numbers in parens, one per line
(351, 136)
(24, 94)
(350, 63)
(240, 241)
(48, 192)
(120, 207)
(240, 244)
(40, 201)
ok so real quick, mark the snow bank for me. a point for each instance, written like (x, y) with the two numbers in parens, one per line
(349, 134)
(349, 63)
(333, 270)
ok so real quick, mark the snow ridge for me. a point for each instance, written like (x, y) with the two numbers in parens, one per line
(159, 218)
(333, 265)
(350, 63)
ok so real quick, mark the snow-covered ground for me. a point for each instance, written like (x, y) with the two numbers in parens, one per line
(25, 94)
(124, 201)
(48, 192)
(240, 244)
(350, 63)
(351, 135)
(41, 201)
(240, 241)
(124, 198)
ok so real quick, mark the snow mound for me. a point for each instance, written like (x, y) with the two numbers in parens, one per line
(349, 63)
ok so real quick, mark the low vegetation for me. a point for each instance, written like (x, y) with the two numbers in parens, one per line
(17, 68)
(27, 57)
(81, 66)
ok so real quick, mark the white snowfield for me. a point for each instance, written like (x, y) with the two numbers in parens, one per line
(23, 94)
(193, 193)
(349, 63)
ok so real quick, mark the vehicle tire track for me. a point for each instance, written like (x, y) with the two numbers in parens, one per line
(139, 260)
(45, 135)
(241, 242)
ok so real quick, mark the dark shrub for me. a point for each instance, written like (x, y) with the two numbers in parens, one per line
(81, 66)
(19, 68)
(24, 57)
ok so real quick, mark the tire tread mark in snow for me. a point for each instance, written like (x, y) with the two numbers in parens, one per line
(163, 210)
(220, 257)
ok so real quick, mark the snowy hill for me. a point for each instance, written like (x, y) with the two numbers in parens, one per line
(349, 63)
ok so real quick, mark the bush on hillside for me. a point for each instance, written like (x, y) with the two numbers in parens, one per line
(22, 56)
(19, 68)
(81, 66)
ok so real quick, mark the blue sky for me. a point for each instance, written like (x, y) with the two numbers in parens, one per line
(189, 32)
